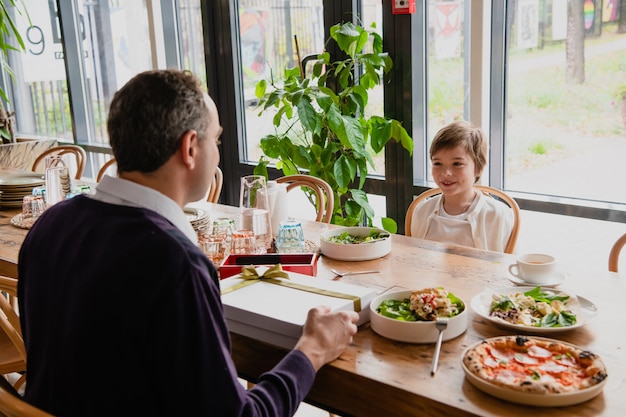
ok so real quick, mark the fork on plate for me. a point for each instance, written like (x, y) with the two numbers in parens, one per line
(441, 324)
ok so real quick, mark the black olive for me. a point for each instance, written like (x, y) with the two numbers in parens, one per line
(520, 340)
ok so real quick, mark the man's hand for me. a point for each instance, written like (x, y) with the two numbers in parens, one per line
(326, 335)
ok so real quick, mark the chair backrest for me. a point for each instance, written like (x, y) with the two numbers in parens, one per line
(215, 189)
(324, 197)
(79, 154)
(12, 405)
(510, 246)
(13, 352)
(614, 254)
(104, 168)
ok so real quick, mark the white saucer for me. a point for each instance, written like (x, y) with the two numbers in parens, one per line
(556, 279)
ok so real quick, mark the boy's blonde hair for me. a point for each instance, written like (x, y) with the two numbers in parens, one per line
(467, 136)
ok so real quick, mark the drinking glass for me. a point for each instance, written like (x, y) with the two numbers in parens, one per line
(243, 242)
(224, 226)
(32, 206)
(214, 246)
(290, 237)
(58, 183)
(255, 210)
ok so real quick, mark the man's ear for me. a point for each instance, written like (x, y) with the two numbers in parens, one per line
(188, 148)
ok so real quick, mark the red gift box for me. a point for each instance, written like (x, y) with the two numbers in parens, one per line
(302, 263)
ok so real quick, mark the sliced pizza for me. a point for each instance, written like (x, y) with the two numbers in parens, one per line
(534, 365)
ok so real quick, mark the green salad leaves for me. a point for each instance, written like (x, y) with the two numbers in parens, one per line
(536, 308)
(347, 238)
(401, 309)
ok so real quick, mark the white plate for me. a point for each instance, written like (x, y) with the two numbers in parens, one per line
(585, 311)
(21, 180)
(527, 398)
(195, 214)
(557, 278)
(356, 251)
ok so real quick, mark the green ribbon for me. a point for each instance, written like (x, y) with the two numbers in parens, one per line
(250, 276)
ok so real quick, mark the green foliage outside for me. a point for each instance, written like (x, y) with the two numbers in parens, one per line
(326, 133)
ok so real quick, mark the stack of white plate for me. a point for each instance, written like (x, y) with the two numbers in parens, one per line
(14, 187)
(198, 218)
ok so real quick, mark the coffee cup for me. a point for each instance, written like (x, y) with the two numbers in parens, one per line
(534, 268)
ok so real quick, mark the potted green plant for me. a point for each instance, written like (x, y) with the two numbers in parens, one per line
(8, 30)
(326, 132)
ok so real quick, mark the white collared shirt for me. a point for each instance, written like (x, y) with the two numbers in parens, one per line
(114, 190)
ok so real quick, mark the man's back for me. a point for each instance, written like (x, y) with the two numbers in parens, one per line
(124, 316)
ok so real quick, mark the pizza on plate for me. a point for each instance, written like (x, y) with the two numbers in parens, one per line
(534, 365)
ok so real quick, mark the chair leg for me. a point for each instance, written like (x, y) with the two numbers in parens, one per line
(18, 384)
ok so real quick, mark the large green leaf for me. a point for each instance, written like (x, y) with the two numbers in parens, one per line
(261, 168)
(380, 133)
(345, 171)
(270, 145)
(260, 88)
(308, 116)
(347, 36)
(354, 213)
(302, 157)
(355, 135)
(362, 95)
(389, 224)
(361, 198)
(399, 133)
(362, 166)
(336, 123)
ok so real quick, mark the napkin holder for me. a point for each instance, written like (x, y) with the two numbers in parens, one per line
(303, 263)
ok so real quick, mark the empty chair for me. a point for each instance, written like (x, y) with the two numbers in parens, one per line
(76, 151)
(494, 192)
(103, 170)
(12, 349)
(614, 254)
(215, 189)
(324, 197)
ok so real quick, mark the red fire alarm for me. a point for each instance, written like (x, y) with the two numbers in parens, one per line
(403, 6)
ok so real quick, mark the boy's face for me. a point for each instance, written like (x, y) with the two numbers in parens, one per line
(454, 170)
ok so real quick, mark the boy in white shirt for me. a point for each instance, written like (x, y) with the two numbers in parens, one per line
(461, 214)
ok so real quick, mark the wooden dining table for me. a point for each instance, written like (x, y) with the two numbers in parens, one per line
(376, 376)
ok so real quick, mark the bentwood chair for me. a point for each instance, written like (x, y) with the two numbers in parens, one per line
(78, 163)
(317, 190)
(12, 405)
(489, 191)
(106, 167)
(614, 254)
(12, 349)
(215, 189)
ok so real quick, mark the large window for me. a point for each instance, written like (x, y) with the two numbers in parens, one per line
(544, 83)
(98, 47)
(564, 135)
(274, 35)
(542, 77)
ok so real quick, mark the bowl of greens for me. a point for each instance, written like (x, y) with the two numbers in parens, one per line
(355, 243)
(410, 315)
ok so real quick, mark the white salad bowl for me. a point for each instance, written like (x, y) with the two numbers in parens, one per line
(364, 251)
(413, 331)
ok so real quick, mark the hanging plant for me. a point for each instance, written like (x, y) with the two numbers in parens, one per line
(324, 131)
